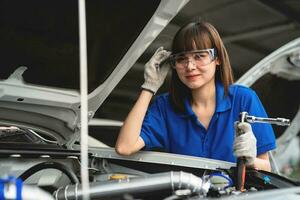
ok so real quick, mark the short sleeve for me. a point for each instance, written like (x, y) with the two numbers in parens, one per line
(263, 132)
(153, 132)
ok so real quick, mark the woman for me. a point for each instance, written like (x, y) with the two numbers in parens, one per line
(197, 117)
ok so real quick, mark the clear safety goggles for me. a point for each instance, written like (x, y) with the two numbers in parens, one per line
(198, 57)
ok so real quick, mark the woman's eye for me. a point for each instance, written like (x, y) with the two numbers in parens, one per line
(181, 59)
(200, 56)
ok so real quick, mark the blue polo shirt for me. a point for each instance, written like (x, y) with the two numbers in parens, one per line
(183, 133)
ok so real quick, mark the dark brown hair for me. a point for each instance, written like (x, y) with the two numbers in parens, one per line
(198, 35)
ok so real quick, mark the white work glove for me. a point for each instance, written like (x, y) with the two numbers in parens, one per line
(154, 74)
(244, 144)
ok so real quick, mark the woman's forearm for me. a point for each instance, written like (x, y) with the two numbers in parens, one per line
(262, 162)
(128, 140)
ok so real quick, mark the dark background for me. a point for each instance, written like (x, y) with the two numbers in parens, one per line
(43, 35)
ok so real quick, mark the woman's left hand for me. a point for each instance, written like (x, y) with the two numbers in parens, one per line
(245, 142)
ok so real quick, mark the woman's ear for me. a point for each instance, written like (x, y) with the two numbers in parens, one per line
(218, 62)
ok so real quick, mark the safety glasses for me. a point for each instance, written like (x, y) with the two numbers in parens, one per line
(197, 57)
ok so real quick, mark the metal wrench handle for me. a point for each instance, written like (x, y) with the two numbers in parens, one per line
(278, 121)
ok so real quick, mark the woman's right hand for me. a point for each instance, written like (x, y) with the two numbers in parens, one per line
(129, 140)
(154, 74)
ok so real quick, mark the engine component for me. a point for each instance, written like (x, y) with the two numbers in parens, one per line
(169, 180)
(50, 165)
(11, 188)
(219, 180)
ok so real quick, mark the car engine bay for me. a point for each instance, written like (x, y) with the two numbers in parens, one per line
(146, 175)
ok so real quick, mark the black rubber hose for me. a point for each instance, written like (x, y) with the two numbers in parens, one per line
(50, 165)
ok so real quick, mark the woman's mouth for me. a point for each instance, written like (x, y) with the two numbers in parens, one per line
(192, 77)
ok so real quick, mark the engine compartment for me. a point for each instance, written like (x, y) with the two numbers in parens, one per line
(57, 172)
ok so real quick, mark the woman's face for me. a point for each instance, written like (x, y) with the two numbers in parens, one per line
(196, 69)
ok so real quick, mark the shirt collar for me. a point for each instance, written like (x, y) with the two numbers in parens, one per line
(222, 102)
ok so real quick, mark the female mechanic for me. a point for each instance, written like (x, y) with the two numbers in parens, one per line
(198, 115)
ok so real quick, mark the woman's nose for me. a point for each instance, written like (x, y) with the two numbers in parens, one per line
(190, 65)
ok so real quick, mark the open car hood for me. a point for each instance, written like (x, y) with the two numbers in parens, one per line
(56, 112)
